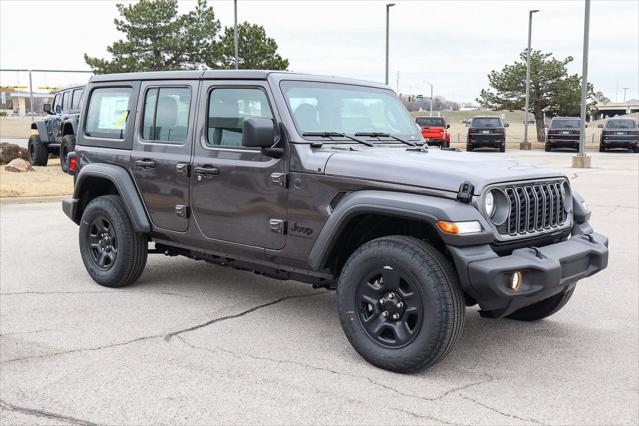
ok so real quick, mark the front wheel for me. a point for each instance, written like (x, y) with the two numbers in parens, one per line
(602, 148)
(400, 303)
(114, 254)
(37, 151)
(543, 309)
(67, 146)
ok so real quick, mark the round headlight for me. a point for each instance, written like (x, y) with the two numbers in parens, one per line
(489, 203)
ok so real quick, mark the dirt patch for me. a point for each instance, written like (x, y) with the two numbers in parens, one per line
(15, 127)
(45, 181)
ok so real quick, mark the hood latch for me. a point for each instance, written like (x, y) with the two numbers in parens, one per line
(465, 193)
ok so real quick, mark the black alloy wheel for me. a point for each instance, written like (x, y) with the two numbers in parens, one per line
(103, 243)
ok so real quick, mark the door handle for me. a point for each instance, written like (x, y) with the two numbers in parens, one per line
(207, 171)
(145, 164)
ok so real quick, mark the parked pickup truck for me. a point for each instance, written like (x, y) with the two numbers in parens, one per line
(434, 130)
(563, 132)
(619, 133)
(326, 181)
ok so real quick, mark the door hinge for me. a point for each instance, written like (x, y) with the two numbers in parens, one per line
(277, 225)
(280, 179)
(182, 210)
(183, 169)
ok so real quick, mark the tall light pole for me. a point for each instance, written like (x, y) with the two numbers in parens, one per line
(431, 98)
(581, 160)
(237, 59)
(388, 6)
(526, 144)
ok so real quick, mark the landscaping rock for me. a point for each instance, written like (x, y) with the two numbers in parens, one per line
(19, 165)
(10, 151)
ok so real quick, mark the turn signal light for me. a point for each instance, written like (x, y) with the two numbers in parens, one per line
(448, 227)
(459, 228)
(515, 281)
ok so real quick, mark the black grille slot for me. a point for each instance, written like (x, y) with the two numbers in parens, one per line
(534, 207)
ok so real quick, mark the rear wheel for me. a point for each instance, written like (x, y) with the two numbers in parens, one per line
(502, 148)
(469, 147)
(114, 254)
(602, 148)
(543, 309)
(67, 146)
(37, 151)
(636, 149)
(400, 303)
(547, 147)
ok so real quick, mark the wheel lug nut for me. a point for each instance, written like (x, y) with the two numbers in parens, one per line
(385, 313)
(395, 316)
(391, 295)
(382, 301)
(400, 304)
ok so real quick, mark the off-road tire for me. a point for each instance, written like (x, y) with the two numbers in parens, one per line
(67, 146)
(132, 247)
(469, 147)
(37, 151)
(438, 290)
(547, 148)
(543, 309)
(602, 148)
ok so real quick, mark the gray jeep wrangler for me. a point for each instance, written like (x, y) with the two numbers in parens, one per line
(326, 181)
(56, 133)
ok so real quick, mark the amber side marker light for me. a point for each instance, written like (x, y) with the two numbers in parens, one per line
(459, 228)
(515, 281)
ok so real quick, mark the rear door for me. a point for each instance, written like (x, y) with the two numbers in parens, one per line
(161, 155)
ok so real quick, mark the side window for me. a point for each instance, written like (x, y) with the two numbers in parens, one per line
(65, 101)
(77, 98)
(56, 102)
(227, 110)
(166, 114)
(108, 112)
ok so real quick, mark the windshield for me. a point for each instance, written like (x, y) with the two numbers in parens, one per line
(621, 124)
(564, 124)
(349, 109)
(486, 122)
(431, 121)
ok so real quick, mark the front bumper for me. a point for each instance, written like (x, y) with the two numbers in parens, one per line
(546, 271)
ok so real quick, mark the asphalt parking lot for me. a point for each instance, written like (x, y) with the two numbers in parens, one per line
(193, 343)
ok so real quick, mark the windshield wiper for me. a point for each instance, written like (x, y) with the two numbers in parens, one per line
(385, 135)
(337, 135)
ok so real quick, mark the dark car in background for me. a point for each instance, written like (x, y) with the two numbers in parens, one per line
(486, 132)
(619, 133)
(434, 130)
(563, 132)
(55, 134)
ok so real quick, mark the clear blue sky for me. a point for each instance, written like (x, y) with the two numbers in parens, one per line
(454, 44)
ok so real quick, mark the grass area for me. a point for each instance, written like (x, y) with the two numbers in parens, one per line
(45, 181)
(15, 127)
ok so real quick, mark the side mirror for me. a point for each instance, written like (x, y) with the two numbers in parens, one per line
(46, 108)
(448, 126)
(600, 126)
(58, 108)
(258, 133)
(506, 125)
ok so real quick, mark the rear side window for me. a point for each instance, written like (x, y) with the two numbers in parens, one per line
(108, 112)
(486, 122)
(76, 98)
(166, 114)
(227, 110)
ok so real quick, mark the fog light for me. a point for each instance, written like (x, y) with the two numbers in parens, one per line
(515, 281)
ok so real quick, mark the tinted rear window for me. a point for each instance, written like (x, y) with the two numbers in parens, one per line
(486, 122)
(564, 124)
(431, 121)
(621, 124)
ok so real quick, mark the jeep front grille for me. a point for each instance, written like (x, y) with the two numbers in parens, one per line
(535, 207)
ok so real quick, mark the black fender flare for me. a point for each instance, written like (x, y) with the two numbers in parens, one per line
(70, 122)
(401, 205)
(127, 190)
(43, 132)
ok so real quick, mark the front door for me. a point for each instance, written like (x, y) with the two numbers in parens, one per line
(238, 194)
(161, 156)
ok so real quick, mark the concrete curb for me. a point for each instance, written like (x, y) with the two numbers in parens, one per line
(27, 200)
